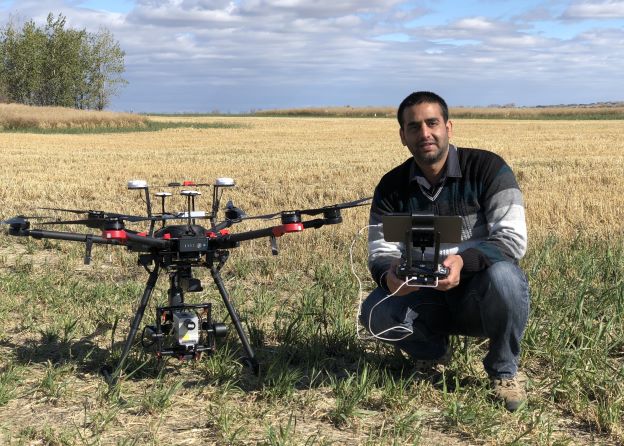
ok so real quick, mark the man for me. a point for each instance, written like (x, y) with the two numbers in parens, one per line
(485, 293)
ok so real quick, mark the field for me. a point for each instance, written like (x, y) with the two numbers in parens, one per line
(320, 384)
(582, 112)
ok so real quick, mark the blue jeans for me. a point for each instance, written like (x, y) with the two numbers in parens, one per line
(494, 304)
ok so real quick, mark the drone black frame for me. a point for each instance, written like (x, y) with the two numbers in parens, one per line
(421, 230)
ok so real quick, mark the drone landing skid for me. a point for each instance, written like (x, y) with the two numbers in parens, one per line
(184, 315)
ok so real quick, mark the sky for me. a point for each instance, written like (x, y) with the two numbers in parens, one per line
(244, 55)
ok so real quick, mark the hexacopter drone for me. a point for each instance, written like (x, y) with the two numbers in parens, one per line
(181, 330)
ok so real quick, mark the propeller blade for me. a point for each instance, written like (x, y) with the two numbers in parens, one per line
(84, 221)
(315, 211)
(100, 214)
(125, 218)
(133, 218)
(73, 211)
(345, 205)
(263, 217)
(188, 184)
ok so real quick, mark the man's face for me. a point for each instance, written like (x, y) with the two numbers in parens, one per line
(425, 133)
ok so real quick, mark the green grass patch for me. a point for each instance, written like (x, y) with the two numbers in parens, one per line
(320, 383)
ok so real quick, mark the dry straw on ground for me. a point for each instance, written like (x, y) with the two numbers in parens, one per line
(17, 116)
(570, 172)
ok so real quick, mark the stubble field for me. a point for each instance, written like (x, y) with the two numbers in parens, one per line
(319, 384)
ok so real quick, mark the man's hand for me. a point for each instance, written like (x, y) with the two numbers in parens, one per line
(455, 264)
(394, 283)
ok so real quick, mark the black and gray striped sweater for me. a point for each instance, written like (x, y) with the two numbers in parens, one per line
(478, 186)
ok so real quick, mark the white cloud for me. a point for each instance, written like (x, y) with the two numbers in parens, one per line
(609, 9)
(475, 24)
(176, 13)
(515, 41)
(316, 8)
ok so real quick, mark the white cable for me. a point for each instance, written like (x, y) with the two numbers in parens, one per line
(359, 328)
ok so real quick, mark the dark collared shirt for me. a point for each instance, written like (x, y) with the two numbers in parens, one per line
(451, 170)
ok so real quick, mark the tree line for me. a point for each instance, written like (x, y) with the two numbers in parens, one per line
(56, 66)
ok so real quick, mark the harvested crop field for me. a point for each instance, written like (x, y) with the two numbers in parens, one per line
(319, 384)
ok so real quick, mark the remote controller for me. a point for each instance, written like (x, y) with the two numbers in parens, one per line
(422, 274)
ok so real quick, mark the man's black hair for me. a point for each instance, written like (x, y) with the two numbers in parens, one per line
(420, 97)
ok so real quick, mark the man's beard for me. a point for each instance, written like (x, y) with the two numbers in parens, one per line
(430, 158)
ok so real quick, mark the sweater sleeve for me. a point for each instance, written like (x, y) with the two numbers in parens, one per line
(503, 208)
(385, 200)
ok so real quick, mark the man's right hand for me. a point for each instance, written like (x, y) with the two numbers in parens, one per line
(394, 283)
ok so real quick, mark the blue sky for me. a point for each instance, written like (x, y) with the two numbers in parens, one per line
(235, 56)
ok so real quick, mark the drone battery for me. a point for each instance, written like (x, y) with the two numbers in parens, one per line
(186, 326)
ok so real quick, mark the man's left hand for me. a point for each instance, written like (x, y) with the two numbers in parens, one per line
(455, 264)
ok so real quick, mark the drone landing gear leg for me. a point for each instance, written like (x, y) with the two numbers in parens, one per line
(111, 378)
(250, 359)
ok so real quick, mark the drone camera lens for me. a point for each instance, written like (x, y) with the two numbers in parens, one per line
(190, 324)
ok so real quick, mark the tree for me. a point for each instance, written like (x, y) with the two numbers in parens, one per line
(105, 67)
(22, 56)
(53, 65)
(64, 63)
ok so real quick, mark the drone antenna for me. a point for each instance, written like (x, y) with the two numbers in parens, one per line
(219, 183)
(163, 196)
(142, 185)
(190, 204)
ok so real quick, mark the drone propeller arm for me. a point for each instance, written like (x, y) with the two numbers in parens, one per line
(57, 235)
(112, 238)
(231, 240)
(147, 241)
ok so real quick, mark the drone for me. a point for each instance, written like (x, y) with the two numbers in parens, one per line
(176, 243)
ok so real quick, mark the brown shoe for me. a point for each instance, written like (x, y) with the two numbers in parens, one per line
(510, 391)
(433, 366)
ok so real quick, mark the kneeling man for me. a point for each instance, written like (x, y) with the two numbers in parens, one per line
(485, 294)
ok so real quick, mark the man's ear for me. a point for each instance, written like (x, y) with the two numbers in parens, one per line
(402, 135)
(449, 128)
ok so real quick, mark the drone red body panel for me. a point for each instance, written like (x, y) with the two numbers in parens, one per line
(117, 234)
